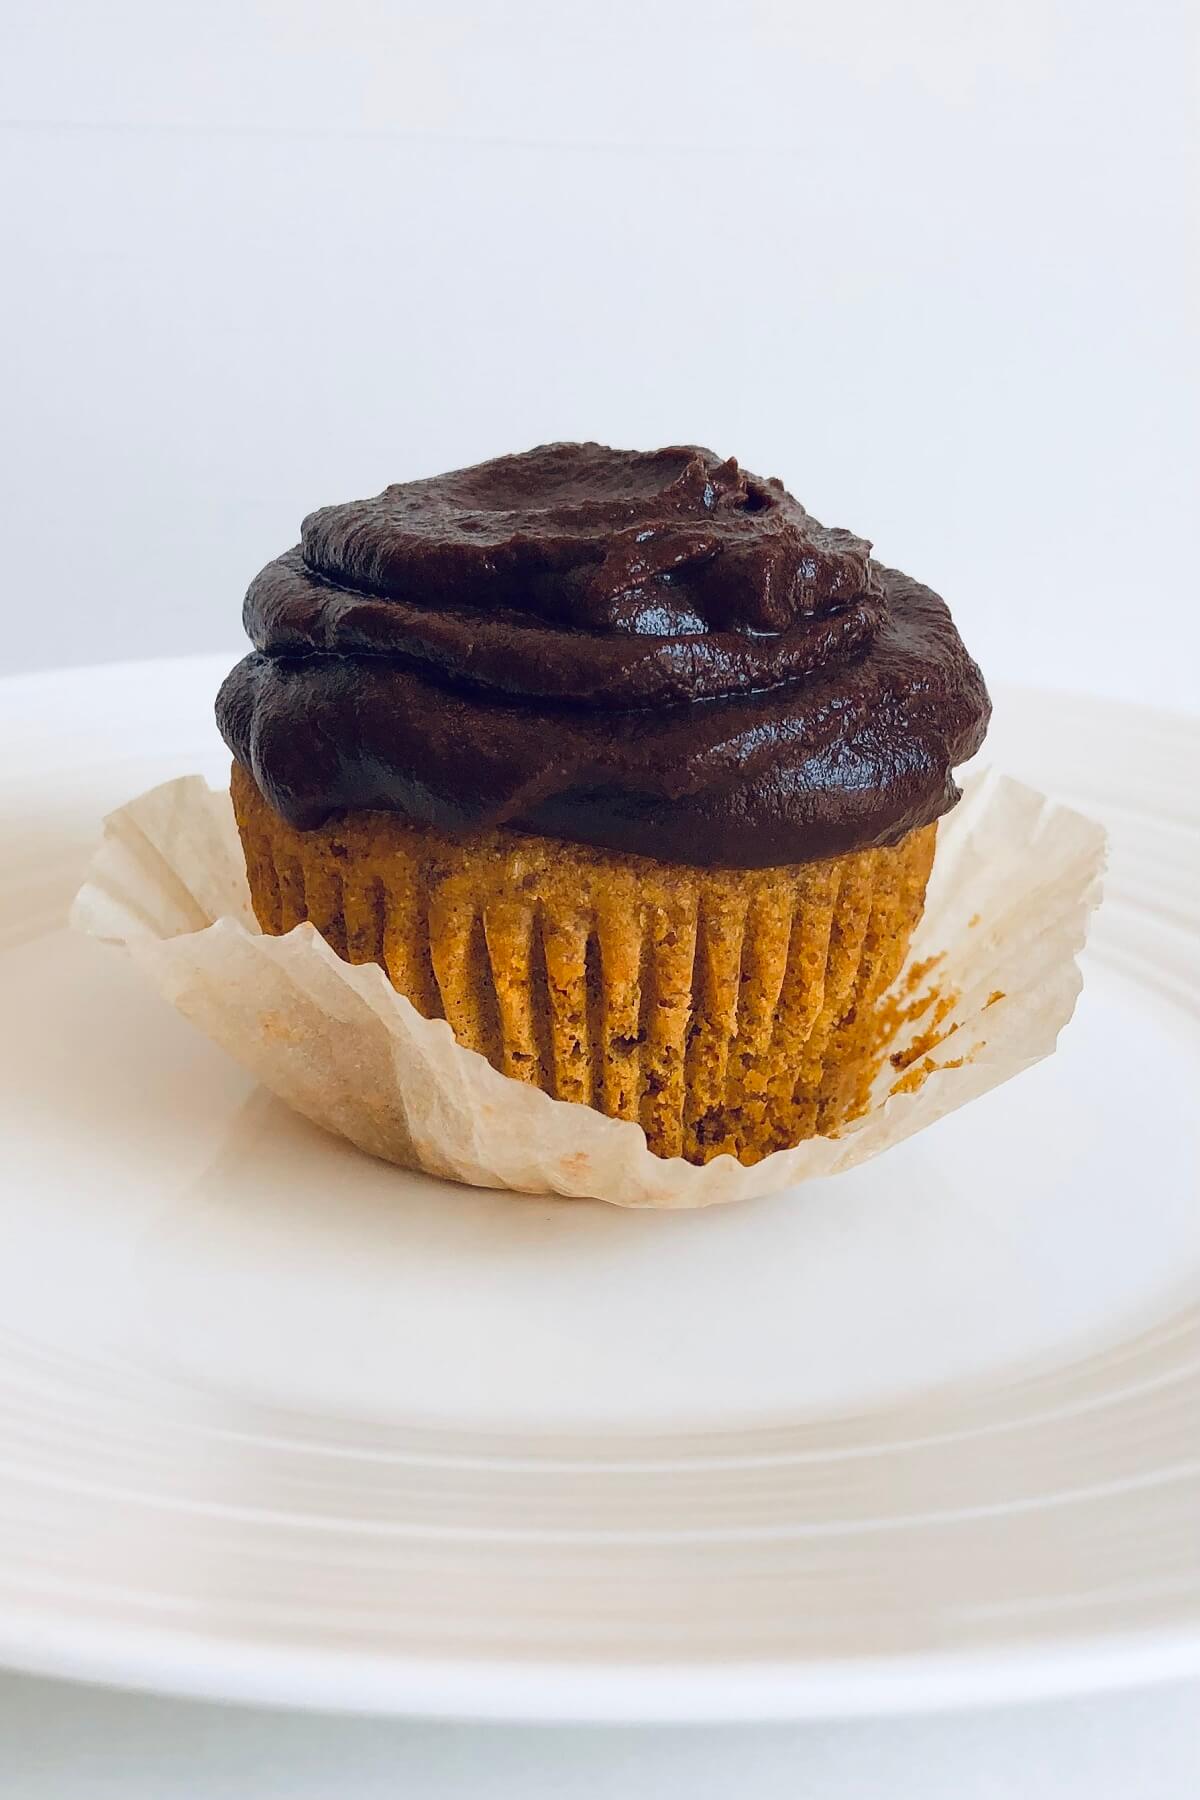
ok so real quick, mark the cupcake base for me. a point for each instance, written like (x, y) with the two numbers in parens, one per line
(725, 1010)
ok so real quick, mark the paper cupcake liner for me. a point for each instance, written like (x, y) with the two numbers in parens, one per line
(727, 1011)
(989, 980)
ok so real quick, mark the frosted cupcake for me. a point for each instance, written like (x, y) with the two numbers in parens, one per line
(622, 764)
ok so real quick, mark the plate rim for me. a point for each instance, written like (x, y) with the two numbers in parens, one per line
(471, 1690)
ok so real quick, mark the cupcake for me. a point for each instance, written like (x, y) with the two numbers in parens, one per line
(620, 763)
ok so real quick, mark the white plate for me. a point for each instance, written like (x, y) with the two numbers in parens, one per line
(281, 1423)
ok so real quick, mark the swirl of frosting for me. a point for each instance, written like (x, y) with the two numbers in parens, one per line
(674, 576)
(656, 652)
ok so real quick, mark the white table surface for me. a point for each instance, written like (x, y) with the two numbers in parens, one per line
(62, 1742)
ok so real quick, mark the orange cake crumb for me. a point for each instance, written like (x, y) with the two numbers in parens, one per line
(735, 1011)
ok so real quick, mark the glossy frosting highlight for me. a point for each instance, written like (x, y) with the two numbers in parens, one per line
(653, 652)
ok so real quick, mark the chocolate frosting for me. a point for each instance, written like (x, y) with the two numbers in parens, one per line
(653, 652)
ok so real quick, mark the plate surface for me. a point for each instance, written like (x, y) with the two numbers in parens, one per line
(281, 1423)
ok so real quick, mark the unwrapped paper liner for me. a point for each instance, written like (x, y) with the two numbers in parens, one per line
(990, 981)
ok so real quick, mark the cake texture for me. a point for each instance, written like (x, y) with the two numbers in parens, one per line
(622, 764)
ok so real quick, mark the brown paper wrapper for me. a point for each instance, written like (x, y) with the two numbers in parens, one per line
(989, 980)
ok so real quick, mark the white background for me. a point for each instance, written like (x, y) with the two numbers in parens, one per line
(931, 261)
